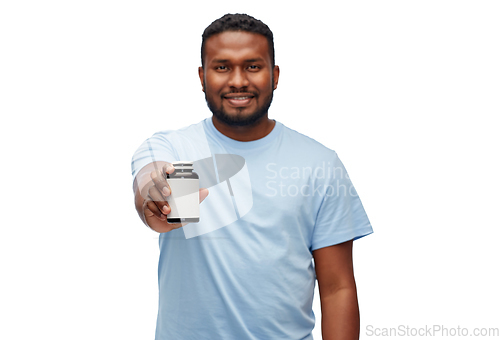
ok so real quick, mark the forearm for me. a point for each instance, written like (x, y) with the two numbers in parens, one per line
(340, 315)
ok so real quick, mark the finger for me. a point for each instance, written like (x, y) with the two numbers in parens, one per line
(160, 182)
(168, 168)
(150, 209)
(203, 194)
(176, 225)
(159, 201)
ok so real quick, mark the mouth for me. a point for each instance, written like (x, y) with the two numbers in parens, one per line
(238, 99)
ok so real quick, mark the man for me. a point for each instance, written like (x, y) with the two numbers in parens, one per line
(245, 271)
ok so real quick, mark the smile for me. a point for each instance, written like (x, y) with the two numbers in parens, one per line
(239, 100)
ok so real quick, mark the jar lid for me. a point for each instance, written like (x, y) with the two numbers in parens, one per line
(186, 165)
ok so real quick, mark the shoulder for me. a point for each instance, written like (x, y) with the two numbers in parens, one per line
(181, 133)
(305, 145)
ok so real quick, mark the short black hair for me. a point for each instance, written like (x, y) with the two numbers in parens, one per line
(237, 22)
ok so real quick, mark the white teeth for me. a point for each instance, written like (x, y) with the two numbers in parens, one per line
(238, 98)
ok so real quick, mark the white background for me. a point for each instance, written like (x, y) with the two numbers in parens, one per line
(406, 92)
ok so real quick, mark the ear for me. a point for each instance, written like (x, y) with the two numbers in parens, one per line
(276, 74)
(201, 75)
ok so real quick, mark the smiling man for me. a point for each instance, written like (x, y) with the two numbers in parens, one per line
(290, 216)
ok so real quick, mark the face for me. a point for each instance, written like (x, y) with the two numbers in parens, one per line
(238, 77)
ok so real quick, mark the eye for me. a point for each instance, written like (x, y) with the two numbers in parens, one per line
(253, 67)
(221, 68)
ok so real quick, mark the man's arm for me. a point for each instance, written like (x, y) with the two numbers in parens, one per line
(337, 290)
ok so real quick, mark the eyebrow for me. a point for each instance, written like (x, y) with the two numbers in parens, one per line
(253, 60)
(216, 61)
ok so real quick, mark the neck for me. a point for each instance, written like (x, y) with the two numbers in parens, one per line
(259, 130)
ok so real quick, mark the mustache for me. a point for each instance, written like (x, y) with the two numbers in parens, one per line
(239, 91)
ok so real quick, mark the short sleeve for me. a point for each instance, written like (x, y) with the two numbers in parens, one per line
(341, 216)
(154, 149)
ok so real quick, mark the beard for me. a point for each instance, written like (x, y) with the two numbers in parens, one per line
(240, 120)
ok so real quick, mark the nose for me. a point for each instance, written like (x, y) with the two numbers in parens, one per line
(238, 78)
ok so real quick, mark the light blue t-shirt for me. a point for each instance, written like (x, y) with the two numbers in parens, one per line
(245, 271)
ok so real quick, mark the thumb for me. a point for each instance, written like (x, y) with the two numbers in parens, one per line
(203, 194)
